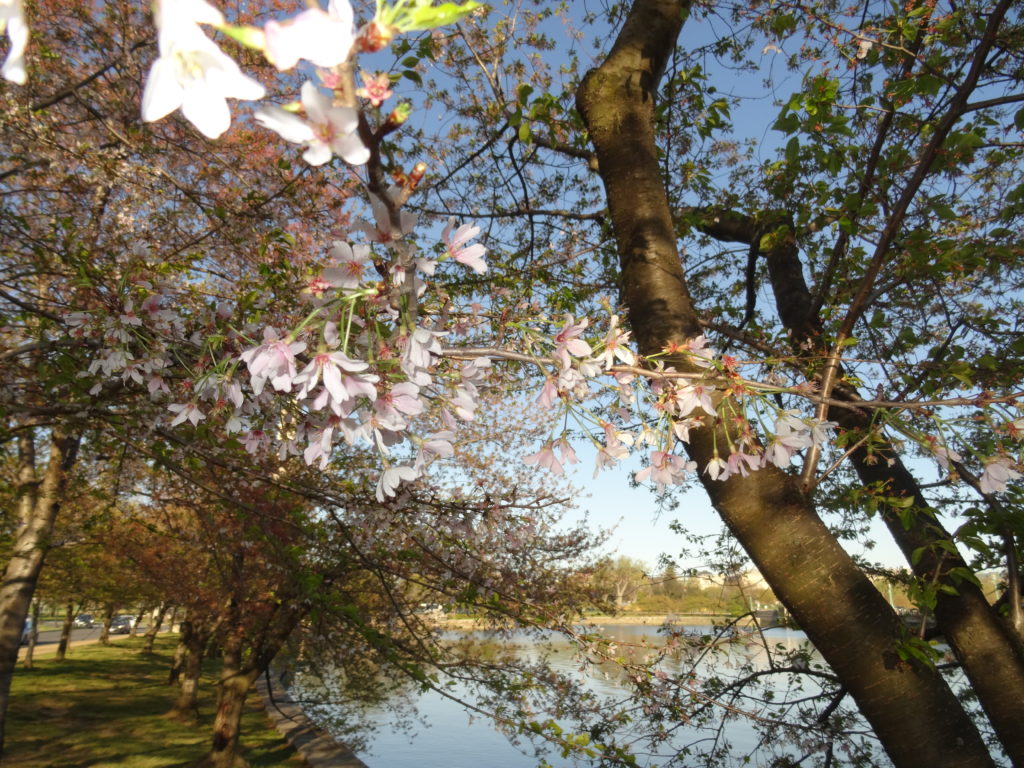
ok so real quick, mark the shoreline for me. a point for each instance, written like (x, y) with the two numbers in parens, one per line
(654, 620)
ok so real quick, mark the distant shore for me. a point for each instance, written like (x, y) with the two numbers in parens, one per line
(656, 620)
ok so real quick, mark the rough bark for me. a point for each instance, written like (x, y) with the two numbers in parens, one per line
(33, 637)
(108, 618)
(65, 631)
(38, 501)
(154, 628)
(911, 709)
(989, 651)
(195, 636)
(237, 677)
(234, 686)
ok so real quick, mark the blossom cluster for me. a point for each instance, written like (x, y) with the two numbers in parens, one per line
(364, 367)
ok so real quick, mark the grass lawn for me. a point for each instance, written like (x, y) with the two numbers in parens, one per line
(106, 706)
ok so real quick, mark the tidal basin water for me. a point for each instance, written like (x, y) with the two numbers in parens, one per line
(450, 737)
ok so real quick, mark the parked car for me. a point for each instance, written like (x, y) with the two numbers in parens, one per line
(84, 620)
(121, 625)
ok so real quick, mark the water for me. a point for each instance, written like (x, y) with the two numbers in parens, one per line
(449, 737)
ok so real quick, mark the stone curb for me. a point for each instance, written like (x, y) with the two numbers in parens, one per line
(316, 746)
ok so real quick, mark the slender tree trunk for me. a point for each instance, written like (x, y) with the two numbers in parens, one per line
(65, 631)
(180, 653)
(237, 678)
(108, 618)
(151, 633)
(992, 655)
(910, 707)
(33, 637)
(233, 688)
(186, 706)
(134, 631)
(38, 501)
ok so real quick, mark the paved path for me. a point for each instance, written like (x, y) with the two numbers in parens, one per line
(316, 746)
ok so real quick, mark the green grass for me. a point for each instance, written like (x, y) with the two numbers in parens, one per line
(106, 706)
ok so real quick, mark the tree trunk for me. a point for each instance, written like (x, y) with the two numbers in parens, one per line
(152, 631)
(65, 631)
(180, 652)
(33, 636)
(195, 641)
(233, 688)
(38, 501)
(134, 631)
(913, 712)
(989, 651)
(108, 618)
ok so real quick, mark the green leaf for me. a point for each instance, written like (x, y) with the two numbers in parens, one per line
(427, 17)
(793, 150)
(524, 132)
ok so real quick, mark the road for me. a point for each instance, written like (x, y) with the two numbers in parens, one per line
(48, 638)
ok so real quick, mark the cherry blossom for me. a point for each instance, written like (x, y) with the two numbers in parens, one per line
(470, 255)
(274, 359)
(351, 260)
(391, 478)
(12, 20)
(665, 469)
(376, 87)
(326, 131)
(186, 412)
(545, 457)
(997, 474)
(192, 73)
(567, 341)
(322, 38)
(344, 379)
(384, 230)
(615, 346)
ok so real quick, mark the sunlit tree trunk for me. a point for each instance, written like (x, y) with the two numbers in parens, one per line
(108, 618)
(233, 688)
(195, 641)
(33, 637)
(38, 501)
(155, 628)
(910, 707)
(991, 653)
(65, 631)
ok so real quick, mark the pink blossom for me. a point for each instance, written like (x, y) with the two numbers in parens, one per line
(274, 359)
(343, 378)
(351, 263)
(567, 341)
(326, 131)
(615, 346)
(376, 88)
(545, 457)
(740, 462)
(255, 441)
(403, 398)
(717, 468)
(689, 398)
(470, 255)
(322, 38)
(437, 445)
(186, 412)
(565, 449)
(665, 469)
(997, 474)
(548, 393)
(391, 478)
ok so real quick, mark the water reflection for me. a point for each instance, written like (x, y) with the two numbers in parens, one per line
(688, 663)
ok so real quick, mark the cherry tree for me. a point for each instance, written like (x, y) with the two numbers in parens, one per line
(774, 428)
